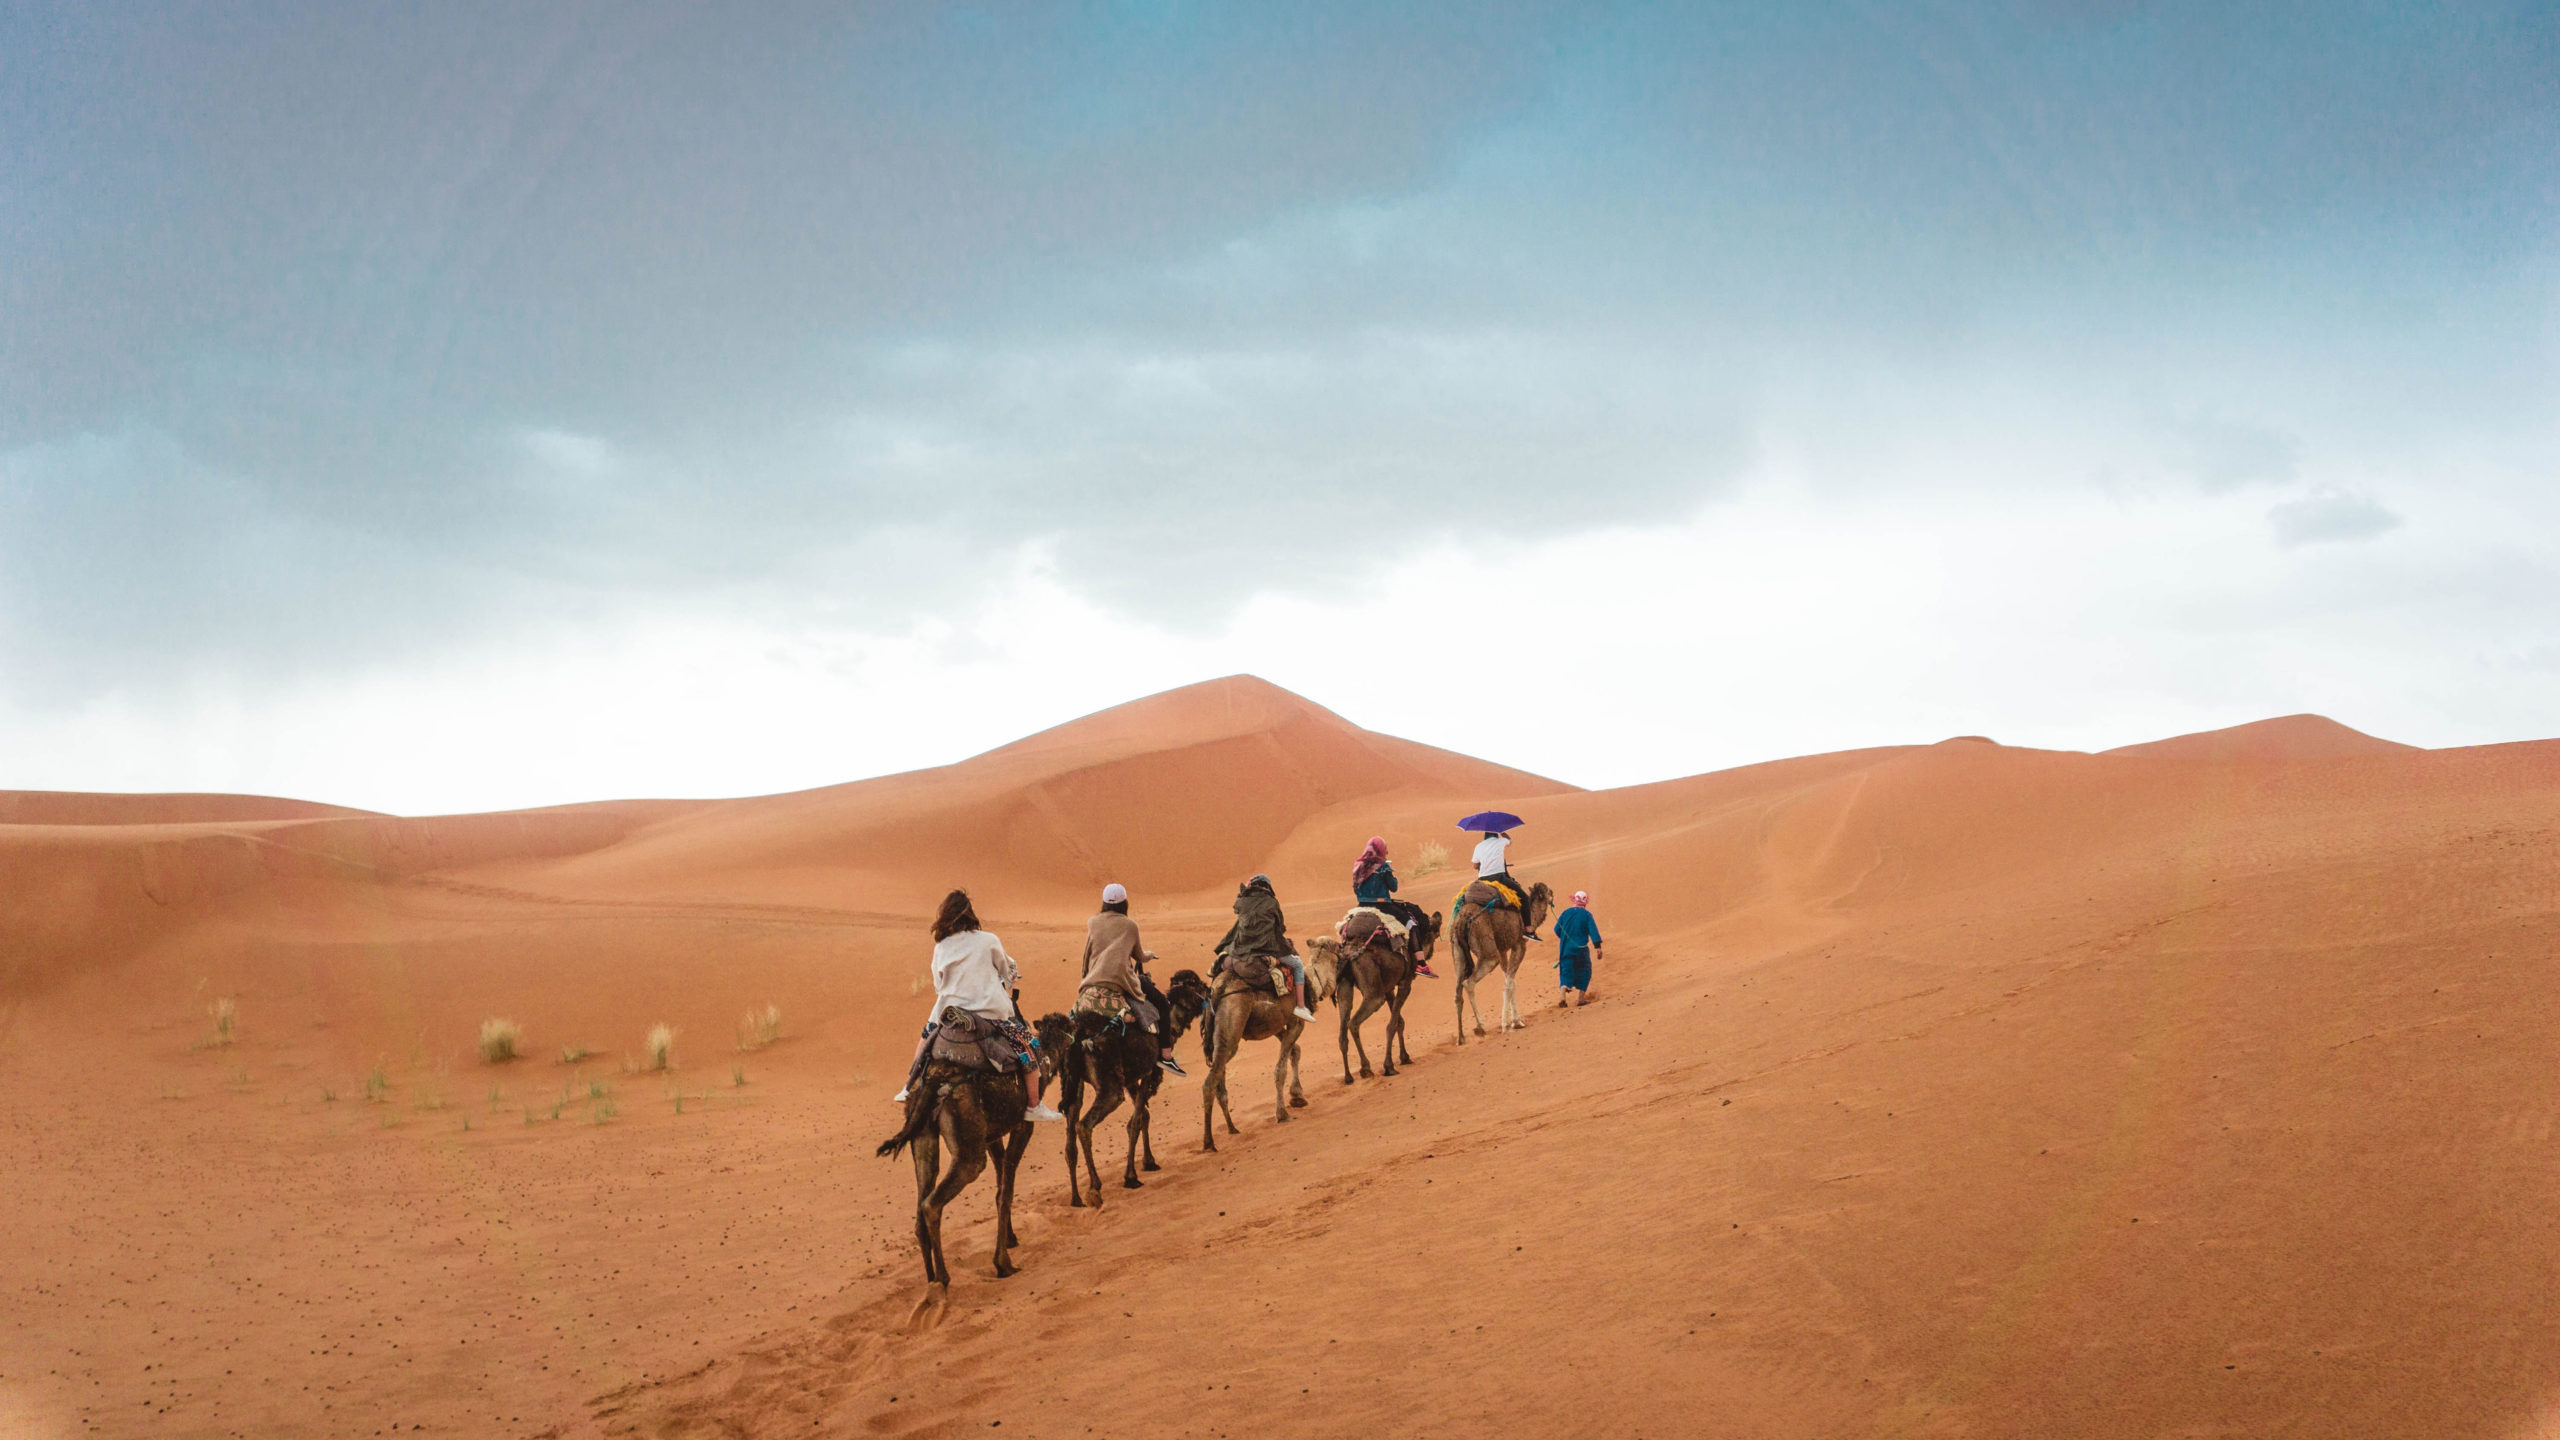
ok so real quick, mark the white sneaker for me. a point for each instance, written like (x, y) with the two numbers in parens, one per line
(1303, 1013)
(898, 1099)
(1041, 1112)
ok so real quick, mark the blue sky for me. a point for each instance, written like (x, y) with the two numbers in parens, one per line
(640, 399)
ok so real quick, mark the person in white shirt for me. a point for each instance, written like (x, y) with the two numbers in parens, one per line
(972, 972)
(1493, 862)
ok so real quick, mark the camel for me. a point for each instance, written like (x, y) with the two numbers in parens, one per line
(1116, 1061)
(976, 1114)
(1239, 1012)
(1376, 971)
(1481, 938)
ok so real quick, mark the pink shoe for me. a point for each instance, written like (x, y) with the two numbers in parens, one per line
(1426, 972)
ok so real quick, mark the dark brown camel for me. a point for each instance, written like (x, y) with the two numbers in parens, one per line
(1239, 1012)
(976, 1114)
(1372, 967)
(1114, 1061)
(1481, 938)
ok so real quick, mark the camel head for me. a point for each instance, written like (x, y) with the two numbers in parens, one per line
(1056, 1031)
(1324, 967)
(1186, 995)
(1542, 903)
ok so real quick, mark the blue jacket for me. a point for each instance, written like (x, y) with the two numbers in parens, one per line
(1576, 931)
(1380, 884)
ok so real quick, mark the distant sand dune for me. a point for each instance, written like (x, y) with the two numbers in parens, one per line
(1958, 1089)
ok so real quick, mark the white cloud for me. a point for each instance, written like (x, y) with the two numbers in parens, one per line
(2330, 515)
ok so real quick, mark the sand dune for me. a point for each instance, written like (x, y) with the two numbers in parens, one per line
(2288, 737)
(1965, 1089)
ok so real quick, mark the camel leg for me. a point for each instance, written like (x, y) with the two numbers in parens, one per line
(968, 1157)
(1369, 1004)
(1103, 1104)
(1137, 1128)
(1297, 1073)
(1395, 1021)
(1147, 1136)
(1280, 1085)
(1350, 1036)
(1071, 1101)
(927, 1150)
(1008, 1162)
(1209, 1108)
(1458, 997)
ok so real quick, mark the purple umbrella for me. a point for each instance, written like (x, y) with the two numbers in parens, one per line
(1489, 821)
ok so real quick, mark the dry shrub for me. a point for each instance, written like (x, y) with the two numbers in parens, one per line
(224, 1014)
(1429, 856)
(572, 1054)
(660, 1047)
(760, 1028)
(500, 1040)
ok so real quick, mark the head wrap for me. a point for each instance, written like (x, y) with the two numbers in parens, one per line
(1115, 893)
(1370, 859)
(1581, 897)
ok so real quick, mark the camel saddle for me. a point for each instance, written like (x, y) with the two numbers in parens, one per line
(1359, 928)
(1115, 1004)
(1495, 895)
(974, 1042)
(1251, 971)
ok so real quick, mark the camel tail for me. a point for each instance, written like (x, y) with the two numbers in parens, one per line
(920, 1107)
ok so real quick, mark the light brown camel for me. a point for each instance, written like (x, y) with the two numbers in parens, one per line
(976, 1114)
(1099, 1063)
(1374, 968)
(1481, 938)
(1239, 1012)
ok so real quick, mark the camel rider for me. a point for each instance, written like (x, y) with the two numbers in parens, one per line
(1493, 862)
(971, 972)
(1261, 930)
(1115, 976)
(1373, 883)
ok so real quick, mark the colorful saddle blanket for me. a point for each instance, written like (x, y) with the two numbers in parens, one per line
(1493, 893)
(977, 1043)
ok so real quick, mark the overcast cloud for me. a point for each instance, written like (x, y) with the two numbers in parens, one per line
(348, 351)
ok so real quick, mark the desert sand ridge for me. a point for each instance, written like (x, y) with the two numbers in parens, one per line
(2287, 737)
(1951, 1089)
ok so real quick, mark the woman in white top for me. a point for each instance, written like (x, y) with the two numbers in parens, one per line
(1493, 861)
(971, 972)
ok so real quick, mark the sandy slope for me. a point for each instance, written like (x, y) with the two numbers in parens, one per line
(1959, 1089)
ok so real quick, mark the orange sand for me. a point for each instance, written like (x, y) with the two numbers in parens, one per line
(2197, 1088)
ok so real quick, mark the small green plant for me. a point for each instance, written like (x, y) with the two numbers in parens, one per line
(556, 1107)
(466, 1122)
(495, 1096)
(500, 1040)
(679, 1102)
(760, 1028)
(598, 1090)
(1429, 856)
(604, 1111)
(572, 1054)
(225, 1015)
(660, 1046)
(328, 1096)
(377, 1084)
(738, 1075)
(528, 1116)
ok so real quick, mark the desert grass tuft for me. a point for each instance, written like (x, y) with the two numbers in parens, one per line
(760, 1028)
(328, 1095)
(226, 1016)
(1429, 856)
(660, 1046)
(738, 1075)
(377, 1085)
(572, 1054)
(500, 1040)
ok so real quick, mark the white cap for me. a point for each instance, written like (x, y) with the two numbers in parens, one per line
(1115, 893)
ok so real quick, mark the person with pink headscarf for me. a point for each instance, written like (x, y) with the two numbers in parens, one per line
(1373, 883)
